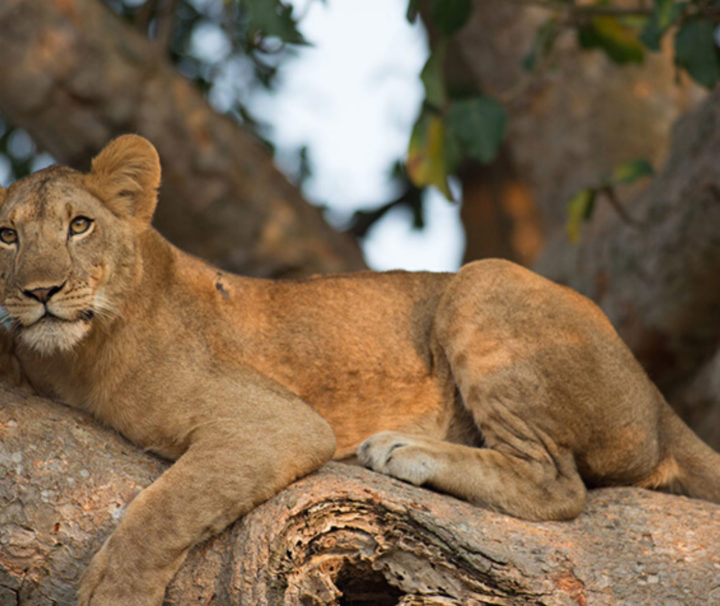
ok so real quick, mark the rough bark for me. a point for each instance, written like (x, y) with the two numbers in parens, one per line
(572, 120)
(343, 535)
(577, 116)
(74, 75)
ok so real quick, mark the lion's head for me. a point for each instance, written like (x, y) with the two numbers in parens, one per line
(68, 243)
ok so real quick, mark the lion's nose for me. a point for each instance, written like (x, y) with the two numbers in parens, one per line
(42, 294)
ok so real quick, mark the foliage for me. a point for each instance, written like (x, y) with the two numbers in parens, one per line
(612, 36)
(697, 52)
(624, 32)
(251, 38)
(582, 204)
(453, 126)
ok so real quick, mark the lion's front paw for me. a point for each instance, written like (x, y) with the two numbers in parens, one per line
(108, 582)
(399, 455)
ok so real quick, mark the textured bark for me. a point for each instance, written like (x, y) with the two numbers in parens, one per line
(343, 535)
(579, 115)
(74, 75)
(660, 282)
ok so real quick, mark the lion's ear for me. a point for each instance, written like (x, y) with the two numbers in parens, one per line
(126, 176)
(2, 196)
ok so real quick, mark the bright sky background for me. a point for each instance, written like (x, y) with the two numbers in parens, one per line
(352, 97)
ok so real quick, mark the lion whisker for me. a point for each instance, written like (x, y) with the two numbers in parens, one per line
(104, 308)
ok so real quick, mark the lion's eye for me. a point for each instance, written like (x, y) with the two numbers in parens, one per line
(79, 225)
(8, 235)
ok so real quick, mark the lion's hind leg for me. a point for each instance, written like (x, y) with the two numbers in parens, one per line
(510, 370)
(517, 484)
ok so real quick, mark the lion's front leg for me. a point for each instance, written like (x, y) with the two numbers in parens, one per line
(231, 466)
(108, 580)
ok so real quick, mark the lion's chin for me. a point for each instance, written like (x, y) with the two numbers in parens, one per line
(51, 335)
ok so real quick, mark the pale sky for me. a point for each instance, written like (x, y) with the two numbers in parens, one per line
(353, 97)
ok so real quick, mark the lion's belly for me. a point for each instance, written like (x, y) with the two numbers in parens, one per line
(359, 400)
(366, 405)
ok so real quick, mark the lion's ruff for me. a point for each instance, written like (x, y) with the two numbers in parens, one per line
(241, 380)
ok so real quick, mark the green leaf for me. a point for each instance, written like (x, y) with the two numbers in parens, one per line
(426, 161)
(619, 42)
(478, 124)
(433, 76)
(632, 171)
(450, 15)
(696, 51)
(272, 18)
(664, 15)
(580, 209)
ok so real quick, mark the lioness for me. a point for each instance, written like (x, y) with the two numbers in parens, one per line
(492, 384)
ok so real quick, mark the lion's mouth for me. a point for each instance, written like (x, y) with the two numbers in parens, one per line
(49, 317)
(52, 333)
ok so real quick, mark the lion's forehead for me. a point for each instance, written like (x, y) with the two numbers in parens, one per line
(49, 195)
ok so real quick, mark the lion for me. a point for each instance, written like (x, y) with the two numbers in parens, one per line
(492, 384)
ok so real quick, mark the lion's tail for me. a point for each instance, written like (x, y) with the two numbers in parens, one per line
(690, 466)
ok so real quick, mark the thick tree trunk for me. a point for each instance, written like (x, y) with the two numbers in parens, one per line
(343, 535)
(74, 75)
(498, 212)
(572, 121)
(575, 118)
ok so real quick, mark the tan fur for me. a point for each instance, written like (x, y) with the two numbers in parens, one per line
(227, 374)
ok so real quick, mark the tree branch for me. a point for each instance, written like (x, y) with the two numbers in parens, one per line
(582, 12)
(617, 205)
(165, 23)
